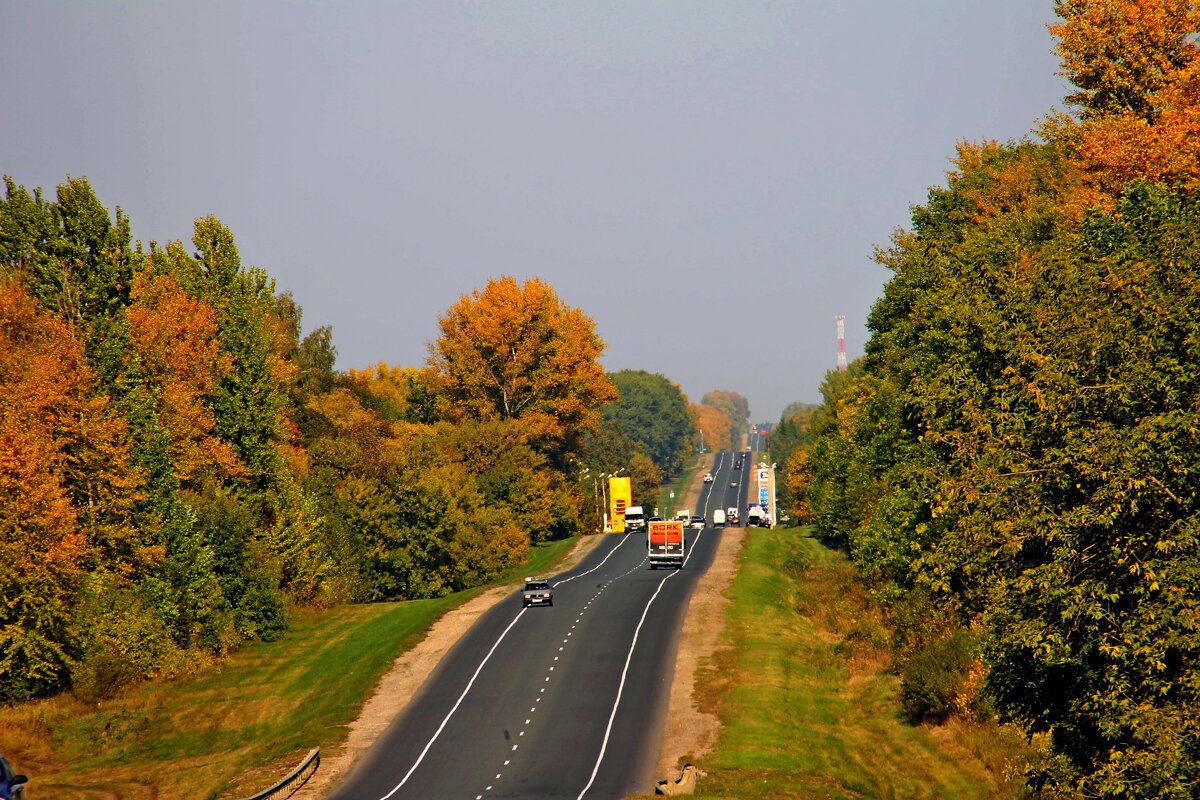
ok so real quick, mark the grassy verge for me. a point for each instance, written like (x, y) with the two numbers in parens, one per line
(807, 706)
(237, 727)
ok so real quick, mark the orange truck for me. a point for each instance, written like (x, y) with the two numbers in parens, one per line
(665, 543)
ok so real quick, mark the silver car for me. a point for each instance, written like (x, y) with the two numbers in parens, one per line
(537, 592)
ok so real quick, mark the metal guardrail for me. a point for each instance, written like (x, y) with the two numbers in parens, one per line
(292, 783)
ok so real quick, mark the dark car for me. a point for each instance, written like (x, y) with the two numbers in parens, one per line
(12, 786)
(537, 592)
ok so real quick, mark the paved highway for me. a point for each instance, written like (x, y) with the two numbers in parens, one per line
(567, 701)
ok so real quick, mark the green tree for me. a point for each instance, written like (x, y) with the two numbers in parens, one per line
(608, 450)
(653, 412)
(250, 401)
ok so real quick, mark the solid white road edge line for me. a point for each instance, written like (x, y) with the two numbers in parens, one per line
(625, 672)
(624, 539)
(470, 683)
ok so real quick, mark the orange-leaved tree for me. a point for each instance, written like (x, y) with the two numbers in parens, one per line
(1137, 76)
(65, 487)
(713, 426)
(517, 352)
(178, 352)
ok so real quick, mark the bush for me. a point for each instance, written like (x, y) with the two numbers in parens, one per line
(121, 640)
(937, 676)
(102, 674)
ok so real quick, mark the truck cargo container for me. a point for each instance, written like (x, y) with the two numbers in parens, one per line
(665, 544)
(620, 498)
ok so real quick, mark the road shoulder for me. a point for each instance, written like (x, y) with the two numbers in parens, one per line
(691, 733)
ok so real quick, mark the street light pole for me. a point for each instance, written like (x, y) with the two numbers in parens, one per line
(604, 476)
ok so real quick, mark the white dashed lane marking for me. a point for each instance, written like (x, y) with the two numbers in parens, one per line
(565, 641)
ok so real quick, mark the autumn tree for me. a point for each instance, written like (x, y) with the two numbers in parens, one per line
(735, 408)
(64, 485)
(1137, 76)
(1122, 56)
(176, 355)
(250, 399)
(517, 352)
(712, 426)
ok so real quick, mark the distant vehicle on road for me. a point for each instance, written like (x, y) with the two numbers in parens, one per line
(737, 465)
(12, 785)
(635, 519)
(708, 477)
(718, 518)
(756, 516)
(731, 515)
(666, 544)
(697, 521)
(537, 592)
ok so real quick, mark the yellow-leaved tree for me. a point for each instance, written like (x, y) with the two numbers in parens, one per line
(514, 351)
(1137, 76)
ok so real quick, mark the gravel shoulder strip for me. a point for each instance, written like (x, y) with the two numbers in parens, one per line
(691, 733)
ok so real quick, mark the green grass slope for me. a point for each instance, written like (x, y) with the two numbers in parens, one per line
(807, 706)
(233, 729)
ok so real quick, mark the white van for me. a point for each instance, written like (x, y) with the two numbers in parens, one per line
(718, 518)
(635, 519)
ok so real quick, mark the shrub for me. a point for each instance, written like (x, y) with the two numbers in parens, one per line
(936, 676)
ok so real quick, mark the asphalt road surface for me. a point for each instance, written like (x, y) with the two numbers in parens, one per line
(565, 701)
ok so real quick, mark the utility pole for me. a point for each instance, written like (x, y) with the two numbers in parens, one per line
(604, 476)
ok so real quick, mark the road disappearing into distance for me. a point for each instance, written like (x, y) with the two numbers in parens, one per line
(567, 701)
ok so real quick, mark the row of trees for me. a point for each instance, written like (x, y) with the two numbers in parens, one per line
(1014, 462)
(178, 465)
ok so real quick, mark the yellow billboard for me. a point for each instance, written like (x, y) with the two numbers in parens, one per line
(620, 497)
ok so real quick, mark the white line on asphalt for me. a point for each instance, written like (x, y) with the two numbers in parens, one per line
(438, 732)
(625, 672)
(624, 539)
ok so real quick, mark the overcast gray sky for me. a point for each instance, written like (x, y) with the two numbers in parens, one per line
(706, 180)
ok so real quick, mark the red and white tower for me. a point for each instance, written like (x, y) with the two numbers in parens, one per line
(841, 330)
